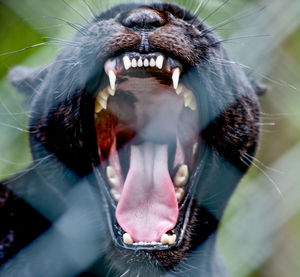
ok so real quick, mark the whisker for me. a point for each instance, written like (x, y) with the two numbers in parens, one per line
(199, 9)
(263, 76)
(92, 13)
(233, 18)
(76, 11)
(26, 48)
(215, 11)
(262, 164)
(265, 124)
(238, 38)
(263, 172)
(13, 127)
(78, 27)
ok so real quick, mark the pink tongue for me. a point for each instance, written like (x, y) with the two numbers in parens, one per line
(148, 207)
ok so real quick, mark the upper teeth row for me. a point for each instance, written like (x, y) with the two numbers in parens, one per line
(128, 63)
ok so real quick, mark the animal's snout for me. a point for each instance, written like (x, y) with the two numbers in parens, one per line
(144, 18)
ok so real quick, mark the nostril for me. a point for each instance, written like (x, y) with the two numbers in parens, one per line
(143, 18)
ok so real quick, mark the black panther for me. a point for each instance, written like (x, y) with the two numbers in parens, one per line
(145, 109)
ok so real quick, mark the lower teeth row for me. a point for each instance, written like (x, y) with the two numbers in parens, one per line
(165, 240)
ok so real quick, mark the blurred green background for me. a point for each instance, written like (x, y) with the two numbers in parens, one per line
(260, 234)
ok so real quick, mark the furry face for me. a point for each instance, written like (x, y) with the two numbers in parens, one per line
(140, 104)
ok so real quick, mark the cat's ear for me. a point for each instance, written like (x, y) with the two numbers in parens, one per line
(27, 80)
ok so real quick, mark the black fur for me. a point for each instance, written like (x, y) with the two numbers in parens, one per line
(62, 125)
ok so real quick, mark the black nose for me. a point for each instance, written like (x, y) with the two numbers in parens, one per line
(143, 18)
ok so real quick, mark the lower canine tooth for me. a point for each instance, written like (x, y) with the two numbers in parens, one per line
(112, 79)
(175, 77)
(127, 239)
(181, 176)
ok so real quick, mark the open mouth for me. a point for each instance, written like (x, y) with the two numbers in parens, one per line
(147, 128)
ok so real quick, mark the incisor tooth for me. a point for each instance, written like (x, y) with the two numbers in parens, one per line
(159, 61)
(164, 239)
(172, 239)
(181, 176)
(126, 62)
(127, 239)
(152, 62)
(140, 62)
(112, 177)
(112, 79)
(134, 62)
(175, 77)
(179, 194)
(146, 63)
(115, 195)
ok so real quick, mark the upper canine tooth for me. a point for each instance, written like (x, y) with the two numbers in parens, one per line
(152, 62)
(140, 62)
(112, 79)
(159, 61)
(127, 239)
(175, 77)
(181, 176)
(134, 62)
(112, 177)
(146, 63)
(126, 62)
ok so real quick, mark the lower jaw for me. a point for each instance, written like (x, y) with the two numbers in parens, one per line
(119, 259)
